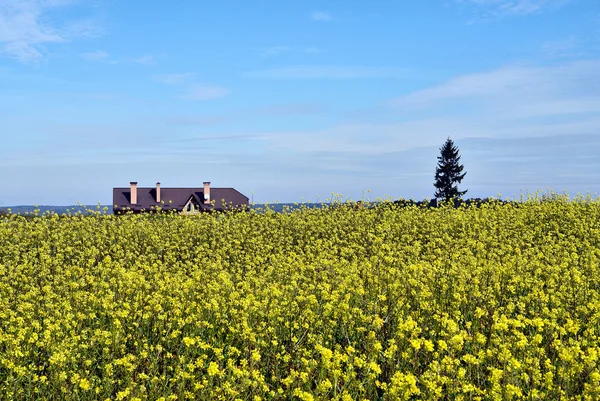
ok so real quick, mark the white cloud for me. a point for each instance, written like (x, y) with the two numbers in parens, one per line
(563, 48)
(25, 30)
(22, 31)
(194, 120)
(312, 50)
(502, 103)
(193, 90)
(365, 139)
(174, 79)
(22, 51)
(145, 60)
(96, 56)
(277, 50)
(274, 50)
(513, 88)
(205, 92)
(320, 16)
(100, 56)
(291, 109)
(84, 28)
(328, 71)
(489, 9)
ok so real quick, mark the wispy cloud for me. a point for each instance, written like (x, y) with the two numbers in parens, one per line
(205, 92)
(146, 59)
(510, 102)
(196, 121)
(278, 50)
(22, 30)
(563, 48)
(101, 56)
(274, 50)
(328, 71)
(291, 109)
(320, 16)
(515, 90)
(97, 56)
(193, 90)
(312, 50)
(83, 28)
(490, 9)
(25, 30)
(174, 79)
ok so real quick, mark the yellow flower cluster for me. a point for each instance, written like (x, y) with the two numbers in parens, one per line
(498, 302)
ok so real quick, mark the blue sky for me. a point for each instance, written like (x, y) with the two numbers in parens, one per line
(296, 100)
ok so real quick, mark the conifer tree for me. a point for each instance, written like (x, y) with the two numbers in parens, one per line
(448, 172)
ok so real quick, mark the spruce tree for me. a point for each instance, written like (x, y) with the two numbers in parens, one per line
(448, 172)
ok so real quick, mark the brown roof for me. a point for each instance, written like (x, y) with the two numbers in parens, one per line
(176, 198)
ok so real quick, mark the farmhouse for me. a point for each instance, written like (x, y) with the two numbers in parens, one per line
(184, 200)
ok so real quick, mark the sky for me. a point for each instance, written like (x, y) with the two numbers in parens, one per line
(295, 101)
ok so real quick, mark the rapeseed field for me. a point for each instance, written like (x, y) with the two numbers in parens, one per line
(499, 302)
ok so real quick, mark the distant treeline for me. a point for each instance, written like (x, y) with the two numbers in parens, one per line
(290, 207)
(457, 202)
(73, 209)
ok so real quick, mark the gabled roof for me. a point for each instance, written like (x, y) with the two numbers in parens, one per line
(176, 198)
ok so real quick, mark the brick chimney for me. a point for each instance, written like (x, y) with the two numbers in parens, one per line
(207, 192)
(133, 192)
(158, 192)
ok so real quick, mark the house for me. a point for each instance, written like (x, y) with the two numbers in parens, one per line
(184, 200)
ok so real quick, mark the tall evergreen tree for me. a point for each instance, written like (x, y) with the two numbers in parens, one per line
(448, 172)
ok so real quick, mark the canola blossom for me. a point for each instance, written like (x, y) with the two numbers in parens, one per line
(497, 302)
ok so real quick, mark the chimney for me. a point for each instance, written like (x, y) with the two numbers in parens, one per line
(206, 192)
(133, 192)
(158, 192)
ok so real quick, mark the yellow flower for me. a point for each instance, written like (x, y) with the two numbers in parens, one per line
(213, 369)
(85, 384)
